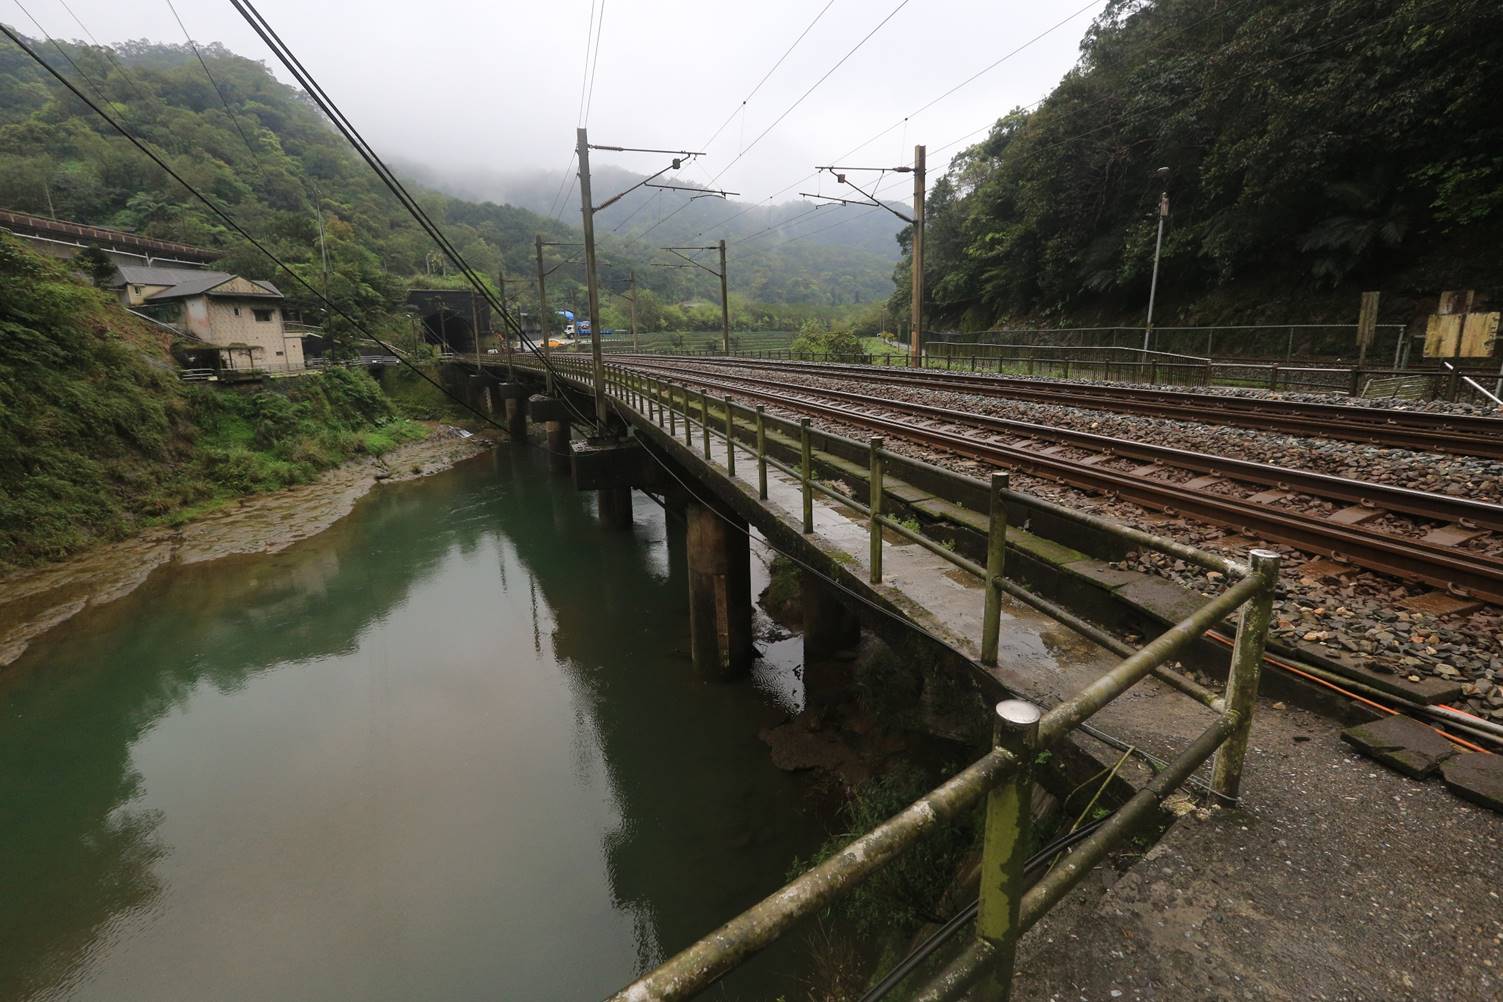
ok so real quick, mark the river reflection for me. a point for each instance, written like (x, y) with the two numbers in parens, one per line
(450, 748)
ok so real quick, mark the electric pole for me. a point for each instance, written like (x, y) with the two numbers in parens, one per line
(544, 314)
(511, 374)
(916, 343)
(725, 307)
(587, 210)
(632, 277)
(1158, 245)
(725, 302)
(916, 221)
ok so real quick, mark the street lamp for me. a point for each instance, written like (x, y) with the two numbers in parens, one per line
(1153, 287)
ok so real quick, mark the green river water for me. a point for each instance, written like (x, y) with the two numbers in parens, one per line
(452, 748)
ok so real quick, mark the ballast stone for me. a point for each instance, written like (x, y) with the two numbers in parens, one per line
(1401, 743)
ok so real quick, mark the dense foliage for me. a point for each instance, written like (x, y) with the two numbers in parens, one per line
(98, 437)
(1315, 148)
(270, 158)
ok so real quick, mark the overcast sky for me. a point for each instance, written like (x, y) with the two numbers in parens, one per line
(498, 84)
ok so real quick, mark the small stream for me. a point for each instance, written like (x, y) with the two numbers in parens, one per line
(450, 748)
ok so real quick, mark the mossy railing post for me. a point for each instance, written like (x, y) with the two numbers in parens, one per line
(1005, 846)
(672, 412)
(688, 424)
(1247, 666)
(874, 479)
(996, 564)
(761, 453)
(806, 473)
(704, 422)
(730, 440)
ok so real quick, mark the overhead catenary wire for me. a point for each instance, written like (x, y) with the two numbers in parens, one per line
(294, 66)
(98, 91)
(812, 88)
(741, 108)
(594, 65)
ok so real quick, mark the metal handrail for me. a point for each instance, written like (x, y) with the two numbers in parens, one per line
(1002, 776)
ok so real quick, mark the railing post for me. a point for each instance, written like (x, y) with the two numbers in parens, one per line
(1247, 666)
(688, 424)
(874, 480)
(1009, 823)
(730, 440)
(806, 473)
(672, 413)
(761, 453)
(996, 564)
(704, 422)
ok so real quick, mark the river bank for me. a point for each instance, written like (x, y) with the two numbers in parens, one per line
(35, 600)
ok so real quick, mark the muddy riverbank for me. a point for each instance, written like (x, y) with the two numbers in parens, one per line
(38, 599)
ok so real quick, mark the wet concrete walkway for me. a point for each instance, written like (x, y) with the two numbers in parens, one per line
(1334, 880)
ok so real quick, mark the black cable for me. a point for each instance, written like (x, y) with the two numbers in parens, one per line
(98, 91)
(109, 53)
(233, 224)
(594, 64)
(288, 59)
(958, 921)
(223, 101)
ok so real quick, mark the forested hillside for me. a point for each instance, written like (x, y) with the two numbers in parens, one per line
(1315, 148)
(267, 154)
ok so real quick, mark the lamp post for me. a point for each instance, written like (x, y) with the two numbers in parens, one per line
(1153, 286)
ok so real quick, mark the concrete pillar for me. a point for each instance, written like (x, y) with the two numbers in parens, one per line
(558, 446)
(615, 507)
(829, 625)
(720, 608)
(479, 393)
(516, 418)
(554, 416)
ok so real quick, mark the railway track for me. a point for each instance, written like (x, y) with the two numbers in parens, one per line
(1437, 552)
(1456, 434)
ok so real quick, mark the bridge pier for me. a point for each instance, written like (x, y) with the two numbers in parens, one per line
(554, 416)
(720, 609)
(480, 394)
(829, 625)
(515, 395)
(615, 507)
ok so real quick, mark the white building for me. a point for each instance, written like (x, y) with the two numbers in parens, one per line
(241, 317)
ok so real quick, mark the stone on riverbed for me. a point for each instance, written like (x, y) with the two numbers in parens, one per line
(1401, 743)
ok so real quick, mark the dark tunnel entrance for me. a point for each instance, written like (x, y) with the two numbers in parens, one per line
(448, 331)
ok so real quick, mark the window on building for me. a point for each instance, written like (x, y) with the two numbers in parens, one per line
(264, 316)
(237, 310)
(136, 289)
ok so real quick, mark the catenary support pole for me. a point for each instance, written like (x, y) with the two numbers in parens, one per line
(587, 212)
(916, 311)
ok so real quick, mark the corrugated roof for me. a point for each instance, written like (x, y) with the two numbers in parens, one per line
(205, 282)
(146, 274)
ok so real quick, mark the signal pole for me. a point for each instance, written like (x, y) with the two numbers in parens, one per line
(542, 298)
(1158, 245)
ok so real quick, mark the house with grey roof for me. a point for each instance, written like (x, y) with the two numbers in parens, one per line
(241, 317)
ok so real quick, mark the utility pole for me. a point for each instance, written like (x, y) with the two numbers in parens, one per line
(587, 210)
(1158, 245)
(632, 277)
(725, 307)
(543, 315)
(916, 342)
(511, 374)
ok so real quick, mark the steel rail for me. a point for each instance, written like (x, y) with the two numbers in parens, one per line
(1444, 567)
(1441, 507)
(1457, 434)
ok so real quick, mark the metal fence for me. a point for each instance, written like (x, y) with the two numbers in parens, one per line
(1002, 778)
(1260, 342)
